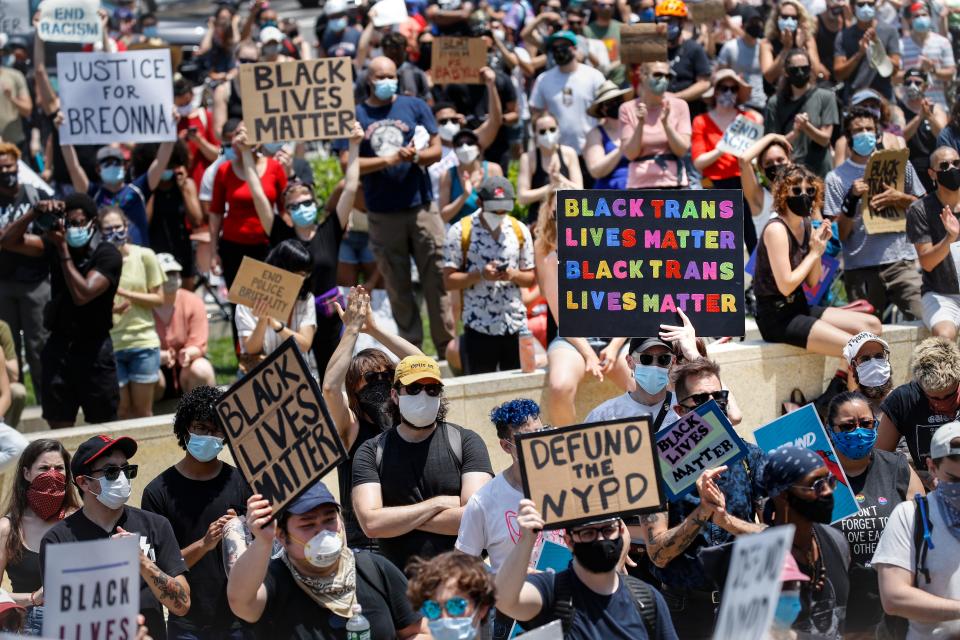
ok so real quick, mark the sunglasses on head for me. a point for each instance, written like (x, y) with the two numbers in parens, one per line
(433, 389)
(456, 607)
(819, 486)
(662, 360)
(862, 423)
(111, 472)
(951, 164)
(799, 191)
(698, 399)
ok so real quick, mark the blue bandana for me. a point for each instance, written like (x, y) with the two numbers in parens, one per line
(786, 465)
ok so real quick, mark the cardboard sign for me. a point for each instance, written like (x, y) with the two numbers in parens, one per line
(278, 427)
(884, 169)
(69, 21)
(92, 589)
(706, 11)
(641, 43)
(742, 134)
(752, 589)
(458, 60)
(630, 259)
(802, 428)
(703, 439)
(389, 12)
(258, 281)
(297, 100)
(15, 16)
(116, 97)
(587, 472)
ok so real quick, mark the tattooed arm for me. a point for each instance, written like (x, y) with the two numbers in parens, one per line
(234, 543)
(173, 593)
(665, 544)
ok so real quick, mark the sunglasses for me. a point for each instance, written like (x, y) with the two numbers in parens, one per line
(659, 75)
(456, 607)
(246, 60)
(877, 356)
(112, 472)
(799, 191)
(111, 162)
(433, 389)
(444, 121)
(377, 376)
(865, 4)
(662, 360)
(728, 88)
(544, 131)
(914, 83)
(302, 203)
(798, 70)
(820, 486)
(720, 397)
(76, 224)
(862, 423)
(953, 164)
(590, 534)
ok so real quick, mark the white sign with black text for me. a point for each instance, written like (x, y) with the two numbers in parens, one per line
(740, 136)
(69, 21)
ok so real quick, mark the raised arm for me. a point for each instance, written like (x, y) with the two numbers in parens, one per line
(246, 592)
(487, 132)
(334, 378)
(351, 176)
(159, 164)
(78, 177)
(515, 596)
(261, 204)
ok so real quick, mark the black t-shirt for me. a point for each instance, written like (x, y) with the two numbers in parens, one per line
(15, 267)
(471, 100)
(162, 548)
(921, 145)
(823, 611)
(168, 227)
(908, 409)
(356, 538)
(291, 613)
(925, 226)
(92, 321)
(689, 63)
(413, 472)
(190, 506)
(324, 247)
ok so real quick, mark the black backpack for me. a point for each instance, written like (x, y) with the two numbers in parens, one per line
(895, 627)
(642, 593)
(454, 437)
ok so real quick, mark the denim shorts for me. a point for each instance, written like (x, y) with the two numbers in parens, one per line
(138, 365)
(355, 248)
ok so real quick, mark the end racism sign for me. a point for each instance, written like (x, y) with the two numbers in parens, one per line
(259, 282)
(69, 21)
(742, 134)
(630, 259)
(92, 589)
(278, 427)
(116, 97)
(297, 100)
(582, 473)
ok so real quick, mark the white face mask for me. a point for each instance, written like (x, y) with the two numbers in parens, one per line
(492, 218)
(467, 153)
(873, 373)
(448, 130)
(548, 140)
(114, 495)
(323, 549)
(185, 110)
(420, 410)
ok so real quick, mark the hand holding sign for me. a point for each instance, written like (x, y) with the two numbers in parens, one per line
(889, 197)
(529, 520)
(684, 336)
(710, 495)
(260, 518)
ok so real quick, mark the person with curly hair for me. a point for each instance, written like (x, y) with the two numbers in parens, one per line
(454, 592)
(199, 495)
(788, 256)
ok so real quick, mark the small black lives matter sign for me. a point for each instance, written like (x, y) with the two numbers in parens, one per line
(278, 427)
(630, 259)
(298, 100)
(587, 472)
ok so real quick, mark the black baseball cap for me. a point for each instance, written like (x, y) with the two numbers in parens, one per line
(915, 72)
(639, 345)
(97, 447)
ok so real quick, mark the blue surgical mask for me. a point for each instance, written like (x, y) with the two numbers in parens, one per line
(452, 628)
(167, 174)
(229, 154)
(271, 148)
(204, 448)
(338, 24)
(112, 174)
(787, 24)
(658, 86)
(304, 215)
(79, 236)
(268, 23)
(864, 143)
(865, 13)
(651, 379)
(384, 89)
(647, 15)
(788, 608)
(922, 24)
(855, 444)
(151, 31)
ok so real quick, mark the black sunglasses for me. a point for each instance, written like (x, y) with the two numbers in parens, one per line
(659, 75)
(953, 164)
(820, 485)
(728, 88)
(720, 397)
(662, 360)
(863, 423)
(550, 130)
(377, 376)
(110, 162)
(914, 83)
(246, 60)
(865, 4)
(444, 121)
(798, 70)
(799, 191)
(433, 389)
(111, 472)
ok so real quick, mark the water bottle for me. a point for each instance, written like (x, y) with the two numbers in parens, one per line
(358, 627)
(528, 353)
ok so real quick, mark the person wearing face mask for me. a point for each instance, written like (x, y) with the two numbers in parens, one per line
(868, 367)
(271, 45)
(339, 37)
(449, 123)
(770, 154)
(605, 27)
(174, 211)
(880, 480)
(198, 495)
(356, 389)
(42, 495)
(415, 510)
(789, 26)
(788, 255)
(195, 128)
(449, 17)
(604, 603)
(136, 344)
(79, 368)
(878, 267)
(102, 471)
(924, 122)
(459, 185)
(317, 582)
(743, 56)
(788, 603)
(837, 16)
(411, 79)
(852, 59)
(689, 66)
(930, 52)
(925, 592)
(602, 155)
(15, 101)
(454, 592)
(548, 167)
(801, 488)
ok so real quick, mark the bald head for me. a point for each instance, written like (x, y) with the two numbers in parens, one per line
(382, 68)
(943, 154)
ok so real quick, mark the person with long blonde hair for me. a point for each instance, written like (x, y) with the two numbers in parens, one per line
(789, 26)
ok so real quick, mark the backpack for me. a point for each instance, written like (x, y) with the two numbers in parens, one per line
(895, 627)
(642, 593)
(466, 227)
(454, 437)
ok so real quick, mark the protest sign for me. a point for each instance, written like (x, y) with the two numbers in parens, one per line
(15, 16)
(887, 168)
(585, 472)
(551, 631)
(641, 43)
(256, 281)
(92, 589)
(704, 11)
(829, 266)
(297, 100)
(458, 60)
(802, 428)
(69, 21)
(278, 427)
(702, 439)
(740, 136)
(388, 12)
(752, 589)
(116, 97)
(630, 259)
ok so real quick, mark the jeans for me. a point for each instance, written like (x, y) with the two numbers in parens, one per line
(176, 630)
(33, 624)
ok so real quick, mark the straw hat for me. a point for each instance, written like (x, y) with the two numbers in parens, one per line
(605, 92)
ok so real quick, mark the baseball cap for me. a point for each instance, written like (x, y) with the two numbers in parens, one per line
(915, 72)
(864, 95)
(940, 442)
(916, 6)
(562, 35)
(496, 193)
(312, 498)
(17, 42)
(97, 447)
(856, 343)
(109, 152)
(335, 7)
(465, 133)
(639, 345)
(168, 263)
(271, 34)
(414, 368)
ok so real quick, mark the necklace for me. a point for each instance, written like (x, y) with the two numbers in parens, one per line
(813, 562)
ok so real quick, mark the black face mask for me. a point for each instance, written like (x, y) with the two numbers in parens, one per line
(819, 510)
(773, 172)
(375, 403)
(599, 556)
(8, 180)
(800, 205)
(426, 51)
(949, 179)
(755, 29)
(563, 55)
(798, 76)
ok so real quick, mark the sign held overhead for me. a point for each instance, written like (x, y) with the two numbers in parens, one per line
(458, 60)
(69, 21)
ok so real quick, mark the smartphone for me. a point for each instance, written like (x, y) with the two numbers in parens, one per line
(502, 267)
(192, 131)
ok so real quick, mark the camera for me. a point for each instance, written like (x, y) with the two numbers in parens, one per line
(50, 214)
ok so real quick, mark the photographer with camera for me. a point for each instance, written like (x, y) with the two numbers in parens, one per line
(79, 370)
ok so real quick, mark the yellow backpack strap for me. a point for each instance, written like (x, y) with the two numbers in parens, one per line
(465, 227)
(518, 231)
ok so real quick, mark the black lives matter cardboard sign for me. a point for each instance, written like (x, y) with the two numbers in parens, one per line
(587, 472)
(886, 168)
(278, 427)
(641, 43)
(297, 100)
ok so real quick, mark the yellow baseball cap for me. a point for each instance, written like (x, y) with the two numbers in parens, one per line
(414, 368)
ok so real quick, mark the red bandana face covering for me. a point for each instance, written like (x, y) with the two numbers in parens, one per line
(46, 493)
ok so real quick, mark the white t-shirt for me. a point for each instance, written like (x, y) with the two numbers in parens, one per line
(206, 182)
(626, 407)
(567, 96)
(489, 522)
(304, 315)
(896, 548)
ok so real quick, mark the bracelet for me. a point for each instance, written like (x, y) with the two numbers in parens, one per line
(33, 600)
(66, 258)
(283, 325)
